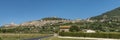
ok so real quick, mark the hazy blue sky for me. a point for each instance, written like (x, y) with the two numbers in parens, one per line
(19, 11)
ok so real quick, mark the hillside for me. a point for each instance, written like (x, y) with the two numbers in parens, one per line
(110, 15)
(53, 18)
(47, 20)
(37, 26)
(106, 22)
(109, 21)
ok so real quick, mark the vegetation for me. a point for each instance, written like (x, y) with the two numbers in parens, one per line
(53, 18)
(74, 28)
(96, 35)
(47, 29)
(107, 22)
(13, 36)
(0, 38)
(78, 26)
(110, 15)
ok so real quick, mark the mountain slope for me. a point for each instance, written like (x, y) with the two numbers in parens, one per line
(113, 14)
(107, 22)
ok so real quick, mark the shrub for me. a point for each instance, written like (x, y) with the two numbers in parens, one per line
(0, 38)
(97, 35)
(74, 28)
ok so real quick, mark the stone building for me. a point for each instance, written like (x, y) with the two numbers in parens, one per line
(64, 28)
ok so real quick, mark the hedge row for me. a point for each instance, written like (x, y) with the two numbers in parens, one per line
(96, 35)
(0, 38)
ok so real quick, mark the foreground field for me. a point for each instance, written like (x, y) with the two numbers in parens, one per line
(56, 38)
(11, 36)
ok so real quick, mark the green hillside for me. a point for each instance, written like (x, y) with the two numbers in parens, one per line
(109, 21)
(113, 14)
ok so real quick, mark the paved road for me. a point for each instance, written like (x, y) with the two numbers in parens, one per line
(39, 38)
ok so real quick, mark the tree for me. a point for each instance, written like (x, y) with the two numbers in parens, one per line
(74, 28)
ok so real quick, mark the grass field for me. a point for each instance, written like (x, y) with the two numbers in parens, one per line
(13, 36)
(56, 38)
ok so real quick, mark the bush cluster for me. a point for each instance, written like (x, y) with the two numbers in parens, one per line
(0, 38)
(96, 35)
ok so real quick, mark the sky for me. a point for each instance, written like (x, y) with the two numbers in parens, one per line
(19, 11)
